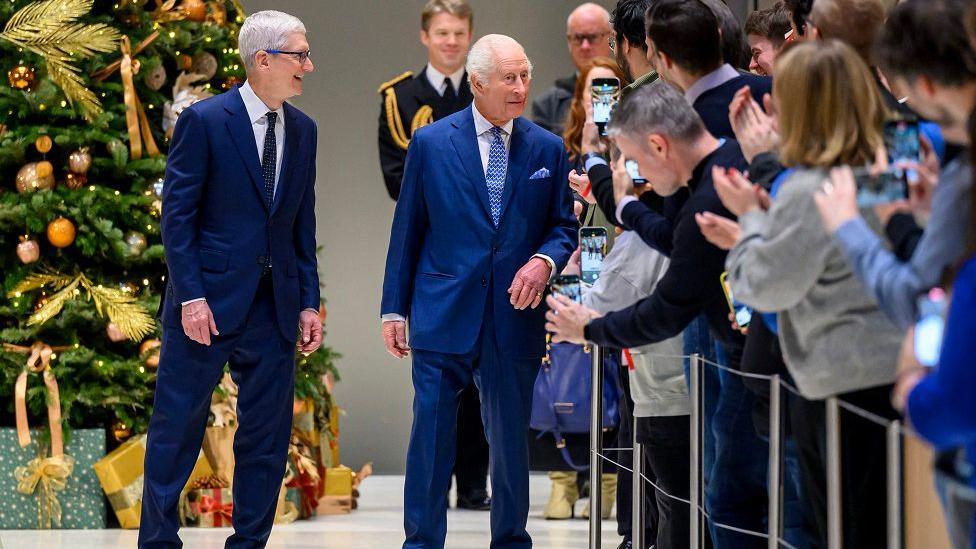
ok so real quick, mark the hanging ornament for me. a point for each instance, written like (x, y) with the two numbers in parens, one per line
(75, 181)
(184, 95)
(121, 431)
(34, 177)
(230, 82)
(61, 232)
(114, 333)
(136, 243)
(195, 10)
(218, 13)
(129, 287)
(28, 250)
(21, 77)
(204, 63)
(150, 350)
(80, 161)
(41, 302)
(186, 62)
(156, 77)
(43, 144)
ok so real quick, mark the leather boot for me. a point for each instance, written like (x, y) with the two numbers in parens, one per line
(563, 496)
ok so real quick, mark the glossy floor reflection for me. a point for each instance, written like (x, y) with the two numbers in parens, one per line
(376, 525)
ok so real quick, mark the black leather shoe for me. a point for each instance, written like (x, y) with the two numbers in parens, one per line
(625, 544)
(479, 503)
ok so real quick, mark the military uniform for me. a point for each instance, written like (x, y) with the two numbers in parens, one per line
(411, 102)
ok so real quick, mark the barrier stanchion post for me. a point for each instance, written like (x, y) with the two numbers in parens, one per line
(596, 446)
(637, 493)
(774, 482)
(835, 525)
(695, 488)
(894, 485)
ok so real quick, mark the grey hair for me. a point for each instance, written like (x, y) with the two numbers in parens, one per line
(656, 108)
(266, 30)
(481, 58)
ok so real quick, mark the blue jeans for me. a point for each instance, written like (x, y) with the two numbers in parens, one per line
(698, 339)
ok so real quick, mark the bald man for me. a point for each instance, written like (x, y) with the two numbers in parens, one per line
(588, 34)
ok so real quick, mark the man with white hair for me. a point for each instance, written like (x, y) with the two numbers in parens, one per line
(483, 220)
(588, 33)
(238, 227)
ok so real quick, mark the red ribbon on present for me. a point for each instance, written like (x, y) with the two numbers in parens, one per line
(308, 485)
(220, 510)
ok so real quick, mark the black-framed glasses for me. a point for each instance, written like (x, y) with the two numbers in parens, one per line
(577, 39)
(302, 55)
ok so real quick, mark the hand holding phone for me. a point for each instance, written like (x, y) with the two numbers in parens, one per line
(593, 249)
(741, 313)
(605, 92)
(567, 285)
(930, 326)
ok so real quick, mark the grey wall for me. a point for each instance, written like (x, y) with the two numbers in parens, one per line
(356, 46)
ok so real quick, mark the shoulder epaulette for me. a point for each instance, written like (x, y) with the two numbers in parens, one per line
(393, 120)
(390, 83)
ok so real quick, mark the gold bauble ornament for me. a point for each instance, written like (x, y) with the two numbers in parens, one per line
(121, 431)
(28, 250)
(150, 350)
(75, 181)
(114, 333)
(29, 179)
(44, 169)
(195, 10)
(156, 78)
(186, 62)
(80, 161)
(43, 144)
(61, 232)
(21, 77)
(136, 242)
(40, 302)
(204, 63)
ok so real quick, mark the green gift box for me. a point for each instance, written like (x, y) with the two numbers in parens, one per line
(82, 501)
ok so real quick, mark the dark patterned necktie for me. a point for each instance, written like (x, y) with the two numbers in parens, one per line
(268, 159)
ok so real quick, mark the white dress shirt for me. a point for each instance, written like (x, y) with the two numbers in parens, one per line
(438, 79)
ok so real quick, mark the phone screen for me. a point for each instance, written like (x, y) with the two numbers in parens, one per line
(634, 173)
(742, 313)
(593, 249)
(930, 327)
(605, 92)
(567, 285)
(902, 145)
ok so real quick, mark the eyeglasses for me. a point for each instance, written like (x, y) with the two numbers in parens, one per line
(612, 42)
(578, 39)
(302, 55)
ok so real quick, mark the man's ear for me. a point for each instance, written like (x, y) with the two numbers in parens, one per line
(658, 145)
(424, 38)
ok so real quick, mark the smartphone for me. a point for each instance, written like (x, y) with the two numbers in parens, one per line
(634, 173)
(902, 144)
(605, 93)
(741, 313)
(930, 326)
(567, 285)
(593, 249)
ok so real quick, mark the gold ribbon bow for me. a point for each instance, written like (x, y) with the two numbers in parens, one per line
(38, 360)
(165, 12)
(51, 474)
(135, 115)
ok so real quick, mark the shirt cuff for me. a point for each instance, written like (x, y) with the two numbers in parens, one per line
(185, 303)
(552, 264)
(621, 205)
(594, 161)
(316, 311)
(393, 317)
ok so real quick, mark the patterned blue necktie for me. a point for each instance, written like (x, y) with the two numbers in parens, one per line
(268, 159)
(495, 175)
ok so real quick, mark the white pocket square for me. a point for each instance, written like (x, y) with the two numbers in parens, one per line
(540, 173)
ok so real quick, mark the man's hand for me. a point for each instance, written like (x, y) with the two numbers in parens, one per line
(573, 267)
(580, 184)
(737, 193)
(755, 130)
(922, 187)
(623, 185)
(530, 281)
(311, 326)
(566, 319)
(837, 199)
(198, 322)
(591, 141)
(720, 231)
(395, 338)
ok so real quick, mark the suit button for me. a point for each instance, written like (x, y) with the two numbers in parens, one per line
(484, 281)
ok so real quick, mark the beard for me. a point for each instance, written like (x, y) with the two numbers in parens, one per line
(623, 63)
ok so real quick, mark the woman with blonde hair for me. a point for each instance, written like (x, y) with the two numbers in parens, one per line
(835, 340)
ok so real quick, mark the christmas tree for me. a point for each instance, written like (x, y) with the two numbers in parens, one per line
(92, 94)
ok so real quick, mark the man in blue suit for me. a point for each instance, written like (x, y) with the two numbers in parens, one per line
(485, 217)
(239, 231)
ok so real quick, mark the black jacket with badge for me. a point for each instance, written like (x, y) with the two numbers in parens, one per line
(410, 102)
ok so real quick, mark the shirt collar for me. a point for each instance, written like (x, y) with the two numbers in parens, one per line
(256, 109)
(711, 80)
(436, 78)
(482, 125)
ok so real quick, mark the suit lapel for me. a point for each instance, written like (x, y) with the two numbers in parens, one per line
(239, 127)
(518, 157)
(465, 142)
(291, 145)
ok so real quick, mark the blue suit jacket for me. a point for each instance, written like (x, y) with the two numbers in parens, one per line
(216, 222)
(446, 258)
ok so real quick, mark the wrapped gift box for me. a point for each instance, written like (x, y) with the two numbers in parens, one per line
(81, 501)
(209, 507)
(338, 491)
(120, 474)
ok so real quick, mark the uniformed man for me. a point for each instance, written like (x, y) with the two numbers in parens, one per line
(441, 88)
(410, 102)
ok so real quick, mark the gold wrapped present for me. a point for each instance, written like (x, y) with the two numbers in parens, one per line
(338, 491)
(120, 474)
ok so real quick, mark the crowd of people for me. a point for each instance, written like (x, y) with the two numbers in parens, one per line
(817, 160)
